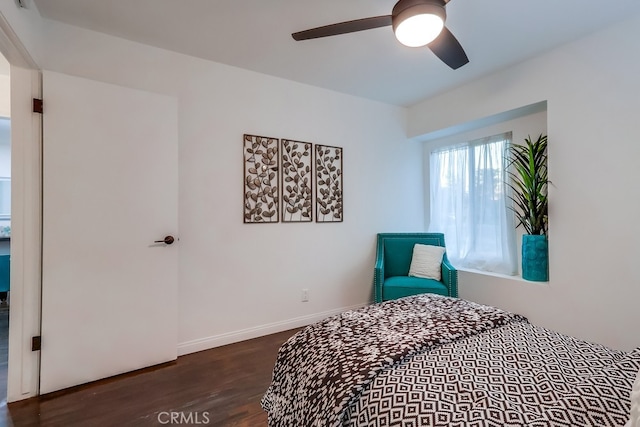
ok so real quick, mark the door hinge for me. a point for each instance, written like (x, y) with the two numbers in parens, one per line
(37, 105)
(36, 343)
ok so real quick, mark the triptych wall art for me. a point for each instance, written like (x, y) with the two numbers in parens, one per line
(280, 176)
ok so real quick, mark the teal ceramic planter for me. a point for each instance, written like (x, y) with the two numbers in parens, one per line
(535, 258)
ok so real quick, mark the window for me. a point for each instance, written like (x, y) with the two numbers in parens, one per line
(469, 204)
(5, 198)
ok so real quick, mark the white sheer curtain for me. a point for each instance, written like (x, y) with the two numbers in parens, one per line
(469, 204)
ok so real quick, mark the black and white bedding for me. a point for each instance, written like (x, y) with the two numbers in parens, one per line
(429, 360)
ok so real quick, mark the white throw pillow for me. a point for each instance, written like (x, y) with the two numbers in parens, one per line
(634, 418)
(426, 261)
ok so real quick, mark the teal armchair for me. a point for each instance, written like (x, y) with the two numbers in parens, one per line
(393, 258)
(5, 263)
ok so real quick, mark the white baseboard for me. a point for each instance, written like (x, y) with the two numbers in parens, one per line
(257, 331)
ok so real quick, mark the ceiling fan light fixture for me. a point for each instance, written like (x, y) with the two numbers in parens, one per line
(415, 23)
(419, 24)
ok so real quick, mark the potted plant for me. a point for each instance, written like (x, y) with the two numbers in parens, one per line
(528, 181)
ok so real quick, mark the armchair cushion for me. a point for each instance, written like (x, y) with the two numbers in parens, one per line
(403, 286)
(426, 261)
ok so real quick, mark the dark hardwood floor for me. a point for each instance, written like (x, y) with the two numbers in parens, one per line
(218, 387)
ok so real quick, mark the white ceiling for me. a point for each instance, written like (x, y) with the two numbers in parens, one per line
(255, 34)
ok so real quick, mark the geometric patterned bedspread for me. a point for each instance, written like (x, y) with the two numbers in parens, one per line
(514, 375)
(324, 368)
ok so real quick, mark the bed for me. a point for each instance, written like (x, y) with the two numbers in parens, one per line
(430, 360)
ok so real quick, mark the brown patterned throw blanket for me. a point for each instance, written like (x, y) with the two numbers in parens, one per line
(323, 369)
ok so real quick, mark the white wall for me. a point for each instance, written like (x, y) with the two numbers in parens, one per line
(592, 88)
(242, 280)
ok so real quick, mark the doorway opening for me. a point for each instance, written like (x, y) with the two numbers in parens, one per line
(5, 224)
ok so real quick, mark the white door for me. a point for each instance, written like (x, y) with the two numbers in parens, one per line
(110, 189)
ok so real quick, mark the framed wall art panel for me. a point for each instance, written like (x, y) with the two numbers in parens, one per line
(329, 201)
(296, 181)
(261, 167)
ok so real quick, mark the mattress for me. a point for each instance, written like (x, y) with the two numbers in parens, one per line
(430, 360)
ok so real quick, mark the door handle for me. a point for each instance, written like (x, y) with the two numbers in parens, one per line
(167, 240)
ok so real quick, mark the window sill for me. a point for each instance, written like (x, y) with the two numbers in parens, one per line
(516, 278)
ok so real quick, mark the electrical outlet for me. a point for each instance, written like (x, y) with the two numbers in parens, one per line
(305, 295)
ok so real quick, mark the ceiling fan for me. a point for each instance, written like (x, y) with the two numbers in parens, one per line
(415, 23)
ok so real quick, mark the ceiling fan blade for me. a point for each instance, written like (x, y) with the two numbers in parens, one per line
(344, 28)
(449, 50)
